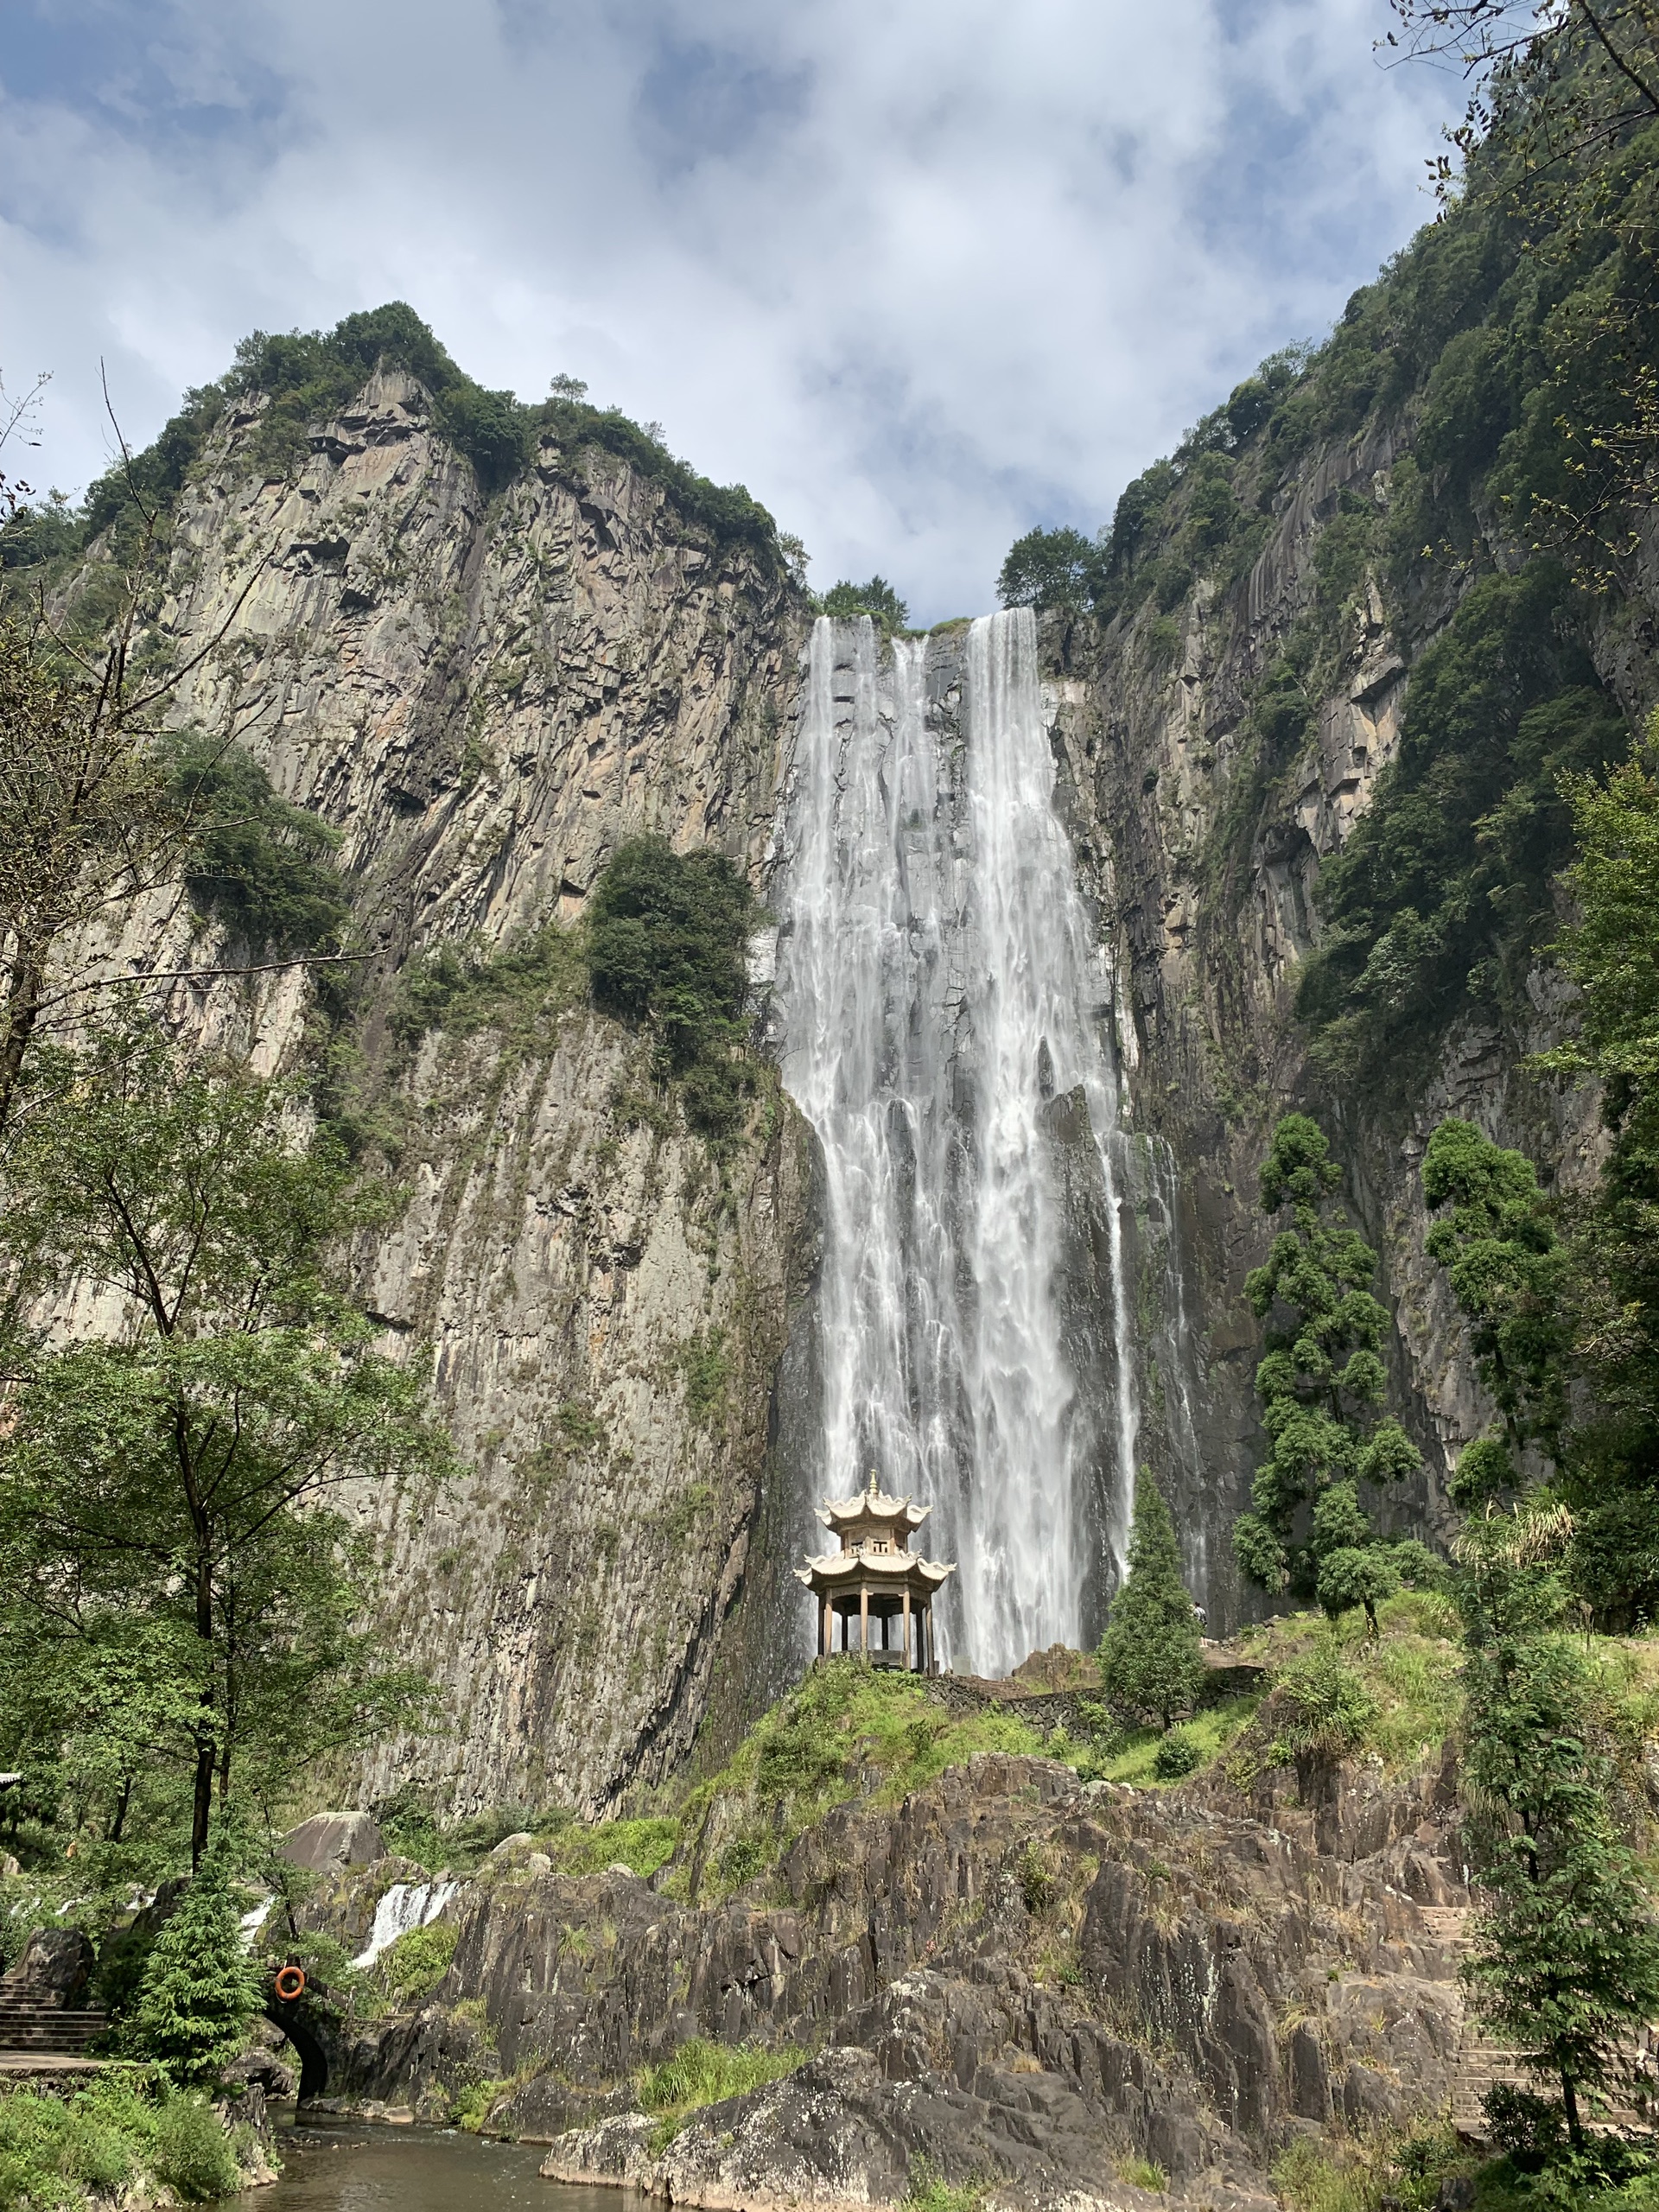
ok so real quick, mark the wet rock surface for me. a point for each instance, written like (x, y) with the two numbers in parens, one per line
(1011, 1977)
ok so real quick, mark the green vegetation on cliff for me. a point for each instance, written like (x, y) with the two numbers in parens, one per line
(300, 380)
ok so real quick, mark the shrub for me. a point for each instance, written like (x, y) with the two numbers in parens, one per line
(1329, 1710)
(263, 867)
(1178, 1753)
(667, 934)
(192, 2154)
(412, 1968)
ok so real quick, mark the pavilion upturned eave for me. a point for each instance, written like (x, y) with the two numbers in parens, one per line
(892, 1570)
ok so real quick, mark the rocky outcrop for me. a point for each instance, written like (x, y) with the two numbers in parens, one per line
(1012, 1976)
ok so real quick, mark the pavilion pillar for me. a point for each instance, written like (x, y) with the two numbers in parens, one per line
(906, 1594)
(864, 1617)
(826, 1628)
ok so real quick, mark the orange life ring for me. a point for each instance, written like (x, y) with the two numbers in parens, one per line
(290, 1983)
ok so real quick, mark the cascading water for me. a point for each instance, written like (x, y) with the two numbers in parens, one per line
(946, 1022)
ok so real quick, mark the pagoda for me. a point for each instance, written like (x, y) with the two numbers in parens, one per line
(875, 1589)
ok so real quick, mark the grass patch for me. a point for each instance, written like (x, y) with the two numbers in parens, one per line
(701, 2072)
(642, 1846)
(1208, 1733)
(850, 1729)
(1143, 2173)
(929, 2191)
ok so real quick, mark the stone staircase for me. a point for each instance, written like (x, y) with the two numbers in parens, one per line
(31, 2026)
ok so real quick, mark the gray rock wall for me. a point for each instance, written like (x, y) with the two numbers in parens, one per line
(485, 695)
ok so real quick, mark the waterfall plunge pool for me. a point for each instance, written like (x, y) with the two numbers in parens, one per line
(343, 2165)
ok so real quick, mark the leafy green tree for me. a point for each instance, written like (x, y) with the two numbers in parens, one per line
(199, 1990)
(1319, 1382)
(877, 599)
(1505, 1267)
(1564, 1960)
(1151, 1658)
(1612, 955)
(1050, 567)
(164, 1486)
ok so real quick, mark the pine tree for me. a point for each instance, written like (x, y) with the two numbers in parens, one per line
(1320, 1382)
(200, 1989)
(1150, 1658)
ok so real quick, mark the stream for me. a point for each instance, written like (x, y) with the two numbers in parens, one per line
(352, 2166)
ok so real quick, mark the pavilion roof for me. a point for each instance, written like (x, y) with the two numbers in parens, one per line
(889, 1569)
(873, 1504)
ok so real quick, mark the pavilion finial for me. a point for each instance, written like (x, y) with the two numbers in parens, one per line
(872, 1482)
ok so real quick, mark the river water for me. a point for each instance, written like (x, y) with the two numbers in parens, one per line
(358, 2168)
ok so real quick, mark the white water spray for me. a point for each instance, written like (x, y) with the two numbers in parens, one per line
(406, 1905)
(942, 997)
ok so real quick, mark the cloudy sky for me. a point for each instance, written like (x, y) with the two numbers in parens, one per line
(921, 273)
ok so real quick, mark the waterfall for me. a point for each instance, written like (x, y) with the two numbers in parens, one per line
(946, 1031)
(406, 1905)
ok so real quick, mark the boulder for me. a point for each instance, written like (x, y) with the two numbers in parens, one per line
(330, 1841)
(55, 1968)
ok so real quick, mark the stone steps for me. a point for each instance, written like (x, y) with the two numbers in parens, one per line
(28, 2025)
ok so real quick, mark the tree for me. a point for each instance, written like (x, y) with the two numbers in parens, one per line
(1610, 1474)
(1050, 567)
(1505, 1265)
(1151, 1656)
(1319, 1380)
(1564, 1964)
(200, 1989)
(877, 599)
(164, 1485)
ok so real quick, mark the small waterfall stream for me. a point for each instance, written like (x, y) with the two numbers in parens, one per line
(947, 1031)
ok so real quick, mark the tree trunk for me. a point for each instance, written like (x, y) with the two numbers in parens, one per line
(207, 1734)
(22, 1006)
(1570, 2105)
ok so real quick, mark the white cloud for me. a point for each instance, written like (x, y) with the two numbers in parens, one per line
(921, 274)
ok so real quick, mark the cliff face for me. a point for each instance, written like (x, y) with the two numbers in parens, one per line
(1010, 1976)
(485, 695)
(1203, 868)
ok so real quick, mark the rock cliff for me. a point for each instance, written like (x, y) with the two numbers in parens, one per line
(1011, 1979)
(485, 694)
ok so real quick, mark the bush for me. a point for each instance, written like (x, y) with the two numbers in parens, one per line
(1328, 1709)
(264, 868)
(192, 2154)
(412, 1968)
(1179, 1752)
(667, 934)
